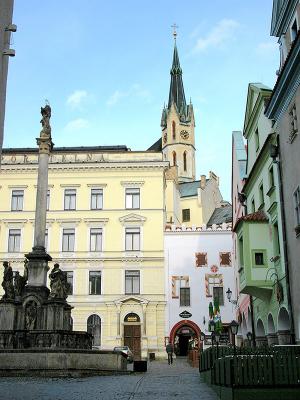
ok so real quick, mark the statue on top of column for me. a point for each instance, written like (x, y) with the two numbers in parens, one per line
(45, 121)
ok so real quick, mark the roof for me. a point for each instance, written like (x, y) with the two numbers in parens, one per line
(176, 93)
(257, 216)
(68, 149)
(157, 146)
(221, 215)
(188, 189)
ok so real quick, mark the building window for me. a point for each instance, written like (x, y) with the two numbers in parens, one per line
(241, 251)
(184, 161)
(68, 239)
(14, 240)
(294, 30)
(259, 258)
(132, 239)
(201, 259)
(225, 259)
(261, 195)
(212, 281)
(96, 199)
(95, 239)
(95, 282)
(186, 215)
(173, 130)
(293, 123)
(17, 197)
(256, 140)
(48, 200)
(132, 282)
(218, 295)
(297, 206)
(185, 300)
(174, 158)
(276, 241)
(132, 198)
(179, 282)
(253, 205)
(271, 177)
(70, 281)
(70, 199)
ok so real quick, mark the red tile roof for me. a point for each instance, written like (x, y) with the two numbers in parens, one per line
(258, 216)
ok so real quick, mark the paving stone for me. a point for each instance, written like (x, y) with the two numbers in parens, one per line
(161, 381)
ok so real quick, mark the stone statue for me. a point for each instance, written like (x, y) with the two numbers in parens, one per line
(45, 121)
(30, 315)
(19, 284)
(7, 283)
(59, 285)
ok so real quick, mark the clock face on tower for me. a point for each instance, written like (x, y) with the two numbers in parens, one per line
(184, 134)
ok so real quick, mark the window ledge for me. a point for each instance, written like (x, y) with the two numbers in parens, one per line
(271, 190)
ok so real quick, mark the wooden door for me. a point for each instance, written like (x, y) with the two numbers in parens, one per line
(132, 339)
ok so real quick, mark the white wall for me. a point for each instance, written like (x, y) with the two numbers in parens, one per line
(180, 249)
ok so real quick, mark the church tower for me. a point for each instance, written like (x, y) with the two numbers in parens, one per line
(178, 124)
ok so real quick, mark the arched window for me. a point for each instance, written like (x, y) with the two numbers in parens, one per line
(173, 130)
(184, 161)
(94, 327)
(174, 158)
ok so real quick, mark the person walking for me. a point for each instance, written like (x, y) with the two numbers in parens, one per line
(170, 351)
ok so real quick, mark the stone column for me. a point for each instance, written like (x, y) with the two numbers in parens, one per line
(38, 258)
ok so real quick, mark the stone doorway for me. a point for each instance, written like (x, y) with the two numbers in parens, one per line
(132, 334)
(183, 337)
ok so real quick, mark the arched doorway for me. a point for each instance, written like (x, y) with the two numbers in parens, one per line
(94, 328)
(182, 334)
(132, 334)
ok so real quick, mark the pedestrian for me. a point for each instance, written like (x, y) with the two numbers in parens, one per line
(170, 351)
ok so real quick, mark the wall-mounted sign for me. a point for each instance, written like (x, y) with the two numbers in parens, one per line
(185, 314)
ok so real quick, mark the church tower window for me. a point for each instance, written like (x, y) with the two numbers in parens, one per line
(173, 130)
(174, 158)
(184, 161)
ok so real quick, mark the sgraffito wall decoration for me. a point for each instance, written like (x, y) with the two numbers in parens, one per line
(179, 282)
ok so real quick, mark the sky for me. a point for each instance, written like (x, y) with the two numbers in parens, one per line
(104, 66)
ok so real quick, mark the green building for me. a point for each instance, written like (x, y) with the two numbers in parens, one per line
(261, 261)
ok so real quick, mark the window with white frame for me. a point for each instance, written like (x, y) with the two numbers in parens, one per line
(297, 206)
(179, 282)
(17, 197)
(96, 199)
(132, 239)
(46, 239)
(218, 295)
(95, 282)
(132, 282)
(70, 282)
(95, 239)
(68, 239)
(132, 198)
(14, 240)
(70, 199)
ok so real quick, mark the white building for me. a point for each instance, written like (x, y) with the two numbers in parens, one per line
(198, 268)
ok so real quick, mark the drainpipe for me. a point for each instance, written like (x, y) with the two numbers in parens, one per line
(276, 154)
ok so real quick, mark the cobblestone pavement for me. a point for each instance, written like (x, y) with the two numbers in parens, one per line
(160, 382)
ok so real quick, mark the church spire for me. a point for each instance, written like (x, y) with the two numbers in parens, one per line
(176, 93)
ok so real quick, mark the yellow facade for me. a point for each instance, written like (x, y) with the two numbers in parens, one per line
(112, 173)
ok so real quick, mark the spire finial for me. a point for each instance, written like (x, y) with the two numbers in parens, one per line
(174, 26)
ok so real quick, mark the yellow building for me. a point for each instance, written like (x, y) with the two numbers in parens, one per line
(105, 228)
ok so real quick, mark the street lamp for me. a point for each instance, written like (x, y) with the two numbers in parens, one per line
(202, 336)
(229, 294)
(234, 326)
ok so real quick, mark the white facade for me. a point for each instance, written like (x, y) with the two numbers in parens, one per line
(184, 250)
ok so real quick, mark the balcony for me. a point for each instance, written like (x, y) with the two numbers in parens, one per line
(255, 249)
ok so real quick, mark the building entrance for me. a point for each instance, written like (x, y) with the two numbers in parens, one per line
(132, 334)
(183, 339)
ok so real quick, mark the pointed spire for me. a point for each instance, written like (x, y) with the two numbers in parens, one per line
(176, 93)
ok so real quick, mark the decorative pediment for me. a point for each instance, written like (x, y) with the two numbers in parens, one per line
(131, 219)
(131, 299)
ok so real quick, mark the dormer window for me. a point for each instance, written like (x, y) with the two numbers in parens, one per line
(173, 130)
(294, 30)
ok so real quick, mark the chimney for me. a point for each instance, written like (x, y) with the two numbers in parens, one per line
(203, 181)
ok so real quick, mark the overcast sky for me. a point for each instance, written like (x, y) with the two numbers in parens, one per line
(104, 66)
